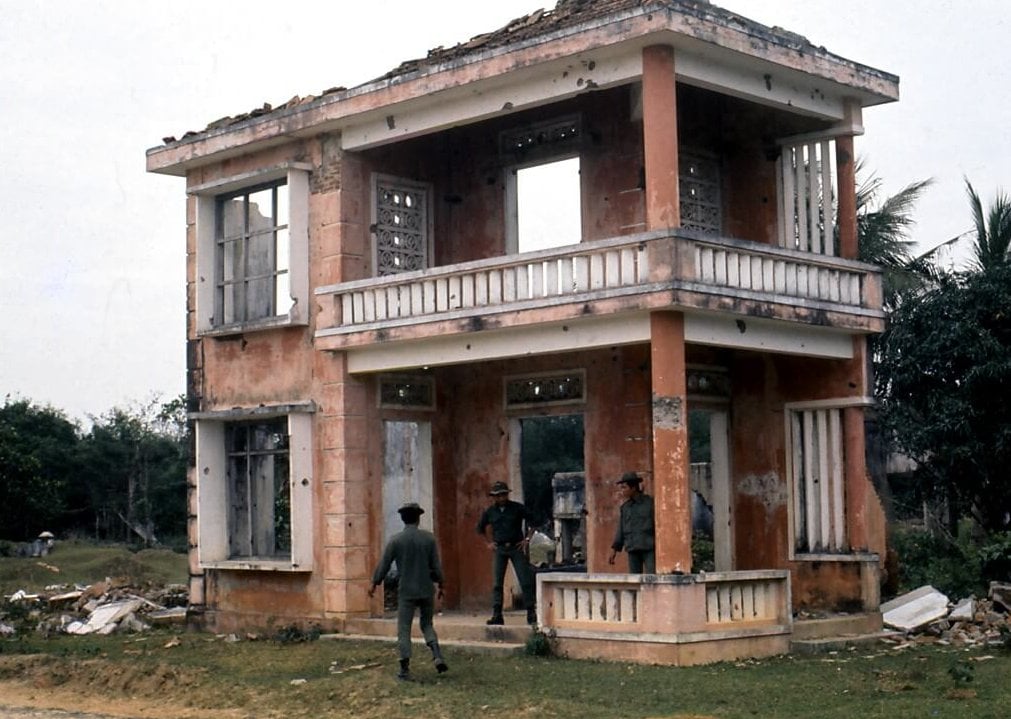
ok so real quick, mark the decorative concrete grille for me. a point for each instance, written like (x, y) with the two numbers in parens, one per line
(554, 389)
(708, 383)
(407, 392)
(555, 134)
(401, 227)
(701, 207)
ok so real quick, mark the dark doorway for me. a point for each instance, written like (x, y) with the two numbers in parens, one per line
(548, 445)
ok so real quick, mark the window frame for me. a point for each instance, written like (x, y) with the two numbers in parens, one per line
(512, 209)
(212, 488)
(208, 198)
(794, 454)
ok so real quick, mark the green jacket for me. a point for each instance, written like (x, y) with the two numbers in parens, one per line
(635, 531)
(417, 557)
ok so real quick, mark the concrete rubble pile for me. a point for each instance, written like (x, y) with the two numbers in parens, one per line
(101, 608)
(926, 615)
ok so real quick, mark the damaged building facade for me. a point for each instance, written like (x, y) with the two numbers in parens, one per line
(621, 225)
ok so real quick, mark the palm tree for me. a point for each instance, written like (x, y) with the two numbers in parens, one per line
(992, 230)
(883, 236)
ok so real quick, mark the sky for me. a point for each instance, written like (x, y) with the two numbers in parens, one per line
(92, 248)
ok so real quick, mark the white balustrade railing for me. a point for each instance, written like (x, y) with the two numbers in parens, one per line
(536, 277)
(731, 601)
(781, 274)
(596, 270)
(614, 602)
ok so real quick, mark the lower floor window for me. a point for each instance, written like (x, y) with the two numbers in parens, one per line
(259, 490)
(817, 479)
(255, 489)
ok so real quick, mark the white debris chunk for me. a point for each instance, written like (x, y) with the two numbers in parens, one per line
(915, 609)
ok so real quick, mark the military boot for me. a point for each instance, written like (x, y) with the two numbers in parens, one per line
(405, 670)
(496, 616)
(440, 663)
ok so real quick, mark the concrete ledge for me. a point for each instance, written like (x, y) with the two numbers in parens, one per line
(837, 626)
(673, 654)
(835, 644)
(471, 647)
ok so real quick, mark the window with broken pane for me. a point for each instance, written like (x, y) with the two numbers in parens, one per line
(252, 257)
(259, 489)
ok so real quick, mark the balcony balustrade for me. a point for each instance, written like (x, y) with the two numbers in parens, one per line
(702, 270)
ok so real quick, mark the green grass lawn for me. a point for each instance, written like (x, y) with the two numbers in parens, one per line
(190, 674)
(203, 672)
(85, 563)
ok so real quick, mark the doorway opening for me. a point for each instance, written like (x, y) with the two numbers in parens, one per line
(710, 487)
(551, 465)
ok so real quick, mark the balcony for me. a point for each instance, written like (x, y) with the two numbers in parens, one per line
(673, 269)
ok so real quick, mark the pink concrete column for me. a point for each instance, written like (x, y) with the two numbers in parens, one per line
(847, 192)
(660, 137)
(671, 485)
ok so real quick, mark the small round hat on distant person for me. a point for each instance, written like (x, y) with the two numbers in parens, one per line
(498, 488)
(632, 479)
(411, 509)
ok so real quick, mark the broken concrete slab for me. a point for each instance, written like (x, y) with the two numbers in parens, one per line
(1000, 593)
(964, 610)
(104, 616)
(915, 609)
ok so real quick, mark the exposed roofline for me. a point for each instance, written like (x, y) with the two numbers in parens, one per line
(573, 27)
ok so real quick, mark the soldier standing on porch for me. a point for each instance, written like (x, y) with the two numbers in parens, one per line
(417, 557)
(635, 532)
(510, 534)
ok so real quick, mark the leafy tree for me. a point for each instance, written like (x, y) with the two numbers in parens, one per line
(883, 236)
(991, 230)
(945, 378)
(134, 465)
(37, 462)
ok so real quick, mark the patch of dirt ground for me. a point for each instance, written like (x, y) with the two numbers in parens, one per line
(138, 692)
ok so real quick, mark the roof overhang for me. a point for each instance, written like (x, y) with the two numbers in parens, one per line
(713, 49)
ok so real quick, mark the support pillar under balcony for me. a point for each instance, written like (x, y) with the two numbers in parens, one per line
(672, 487)
(846, 183)
(660, 137)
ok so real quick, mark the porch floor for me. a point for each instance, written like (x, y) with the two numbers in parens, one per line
(467, 631)
(459, 629)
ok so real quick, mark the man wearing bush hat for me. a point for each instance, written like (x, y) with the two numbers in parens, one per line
(510, 534)
(635, 532)
(417, 558)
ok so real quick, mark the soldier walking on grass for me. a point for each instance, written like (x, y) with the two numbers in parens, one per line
(510, 535)
(417, 558)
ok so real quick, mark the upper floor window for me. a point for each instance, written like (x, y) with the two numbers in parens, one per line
(252, 277)
(252, 250)
(699, 182)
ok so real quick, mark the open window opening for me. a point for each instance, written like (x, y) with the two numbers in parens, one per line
(548, 205)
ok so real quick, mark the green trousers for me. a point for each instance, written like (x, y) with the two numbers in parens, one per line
(405, 618)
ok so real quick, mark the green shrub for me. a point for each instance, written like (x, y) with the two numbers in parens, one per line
(539, 644)
(995, 558)
(951, 566)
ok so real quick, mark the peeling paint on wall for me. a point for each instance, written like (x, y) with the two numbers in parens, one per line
(767, 488)
(668, 412)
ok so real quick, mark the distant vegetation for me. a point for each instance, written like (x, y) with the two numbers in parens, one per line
(121, 480)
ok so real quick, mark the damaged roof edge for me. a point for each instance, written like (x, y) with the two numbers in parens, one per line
(796, 52)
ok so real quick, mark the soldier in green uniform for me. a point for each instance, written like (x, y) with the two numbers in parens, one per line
(510, 534)
(417, 557)
(635, 532)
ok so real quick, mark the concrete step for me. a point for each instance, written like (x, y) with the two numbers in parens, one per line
(455, 626)
(824, 645)
(470, 647)
(837, 625)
